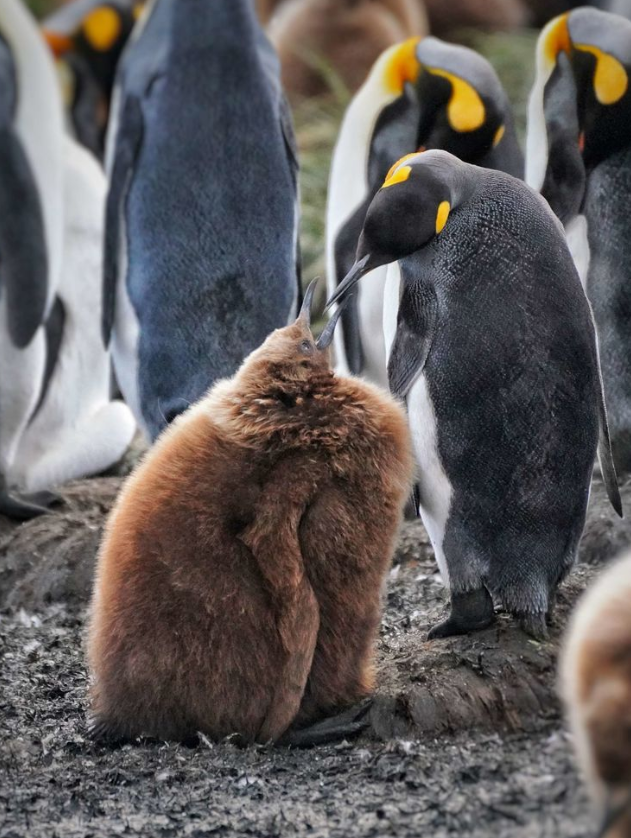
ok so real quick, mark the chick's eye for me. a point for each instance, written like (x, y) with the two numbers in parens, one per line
(306, 347)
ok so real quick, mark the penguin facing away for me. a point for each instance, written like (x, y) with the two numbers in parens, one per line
(287, 484)
(579, 156)
(31, 231)
(75, 430)
(88, 39)
(420, 94)
(596, 686)
(201, 248)
(495, 355)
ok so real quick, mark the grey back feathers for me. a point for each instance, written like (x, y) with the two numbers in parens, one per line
(202, 204)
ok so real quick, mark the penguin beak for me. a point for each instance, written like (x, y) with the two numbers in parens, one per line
(58, 43)
(351, 279)
(305, 311)
(325, 339)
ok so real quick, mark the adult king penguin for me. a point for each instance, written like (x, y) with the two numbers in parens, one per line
(31, 230)
(495, 354)
(75, 430)
(201, 240)
(88, 38)
(579, 157)
(421, 93)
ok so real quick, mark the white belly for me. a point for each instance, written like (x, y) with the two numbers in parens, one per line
(436, 490)
(578, 243)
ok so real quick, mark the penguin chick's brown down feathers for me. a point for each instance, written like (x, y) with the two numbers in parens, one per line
(317, 38)
(596, 683)
(239, 580)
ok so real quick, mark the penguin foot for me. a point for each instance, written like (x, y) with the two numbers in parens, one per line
(471, 611)
(344, 725)
(44, 499)
(19, 507)
(534, 624)
(103, 733)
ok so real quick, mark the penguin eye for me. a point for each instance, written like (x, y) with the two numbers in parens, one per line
(306, 347)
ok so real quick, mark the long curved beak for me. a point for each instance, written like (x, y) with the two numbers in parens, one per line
(325, 339)
(59, 44)
(305, 311)
(350, 280)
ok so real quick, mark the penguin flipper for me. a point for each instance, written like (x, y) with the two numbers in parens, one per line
(127, 148)
(605, 458)
(416, 327)
(23, 253)
(345, 249)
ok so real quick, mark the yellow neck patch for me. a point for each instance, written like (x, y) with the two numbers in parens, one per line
(442, 215)
(402, 66)
(398, 176)
(555, 38)
(610, 79)
(465, 110)
(138, 10)
(102, 28)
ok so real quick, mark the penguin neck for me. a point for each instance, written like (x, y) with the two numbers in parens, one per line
(231, 22)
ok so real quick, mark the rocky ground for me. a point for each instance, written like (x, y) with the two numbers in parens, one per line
(466, 735)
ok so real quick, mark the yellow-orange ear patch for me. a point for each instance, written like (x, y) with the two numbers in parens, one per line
(610, 78)
(102, 28)
(402, 66)
(398, 163)
(555, 38)
(442, 215)
(398, 176)
(465, 109)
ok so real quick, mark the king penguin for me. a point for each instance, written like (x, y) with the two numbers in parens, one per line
(31, 230)
(75, 429)
(201, 258)
(88, 38)
(579, 156)
(495, 354)
(421, 93)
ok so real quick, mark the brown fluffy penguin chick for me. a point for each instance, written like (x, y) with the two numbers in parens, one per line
(239, 581)
(596, 683)
(446, 17)
(346, 36)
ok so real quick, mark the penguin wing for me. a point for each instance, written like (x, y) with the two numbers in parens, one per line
(345, 250)
(605, 457)
(416, 327)
(127, 148)
(289, 138)
(23, 253)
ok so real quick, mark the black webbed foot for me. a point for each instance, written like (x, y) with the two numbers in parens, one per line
(44, 499)
(23, 507)
(471, 611)
(344, 725)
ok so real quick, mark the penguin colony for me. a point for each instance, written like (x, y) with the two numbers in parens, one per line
(493, 308)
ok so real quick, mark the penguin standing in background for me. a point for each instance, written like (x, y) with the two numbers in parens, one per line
(579, 157)
(88, 38)
(495, 354)
(31, 231)
(420, 94)
(202, 215)
(75, 430)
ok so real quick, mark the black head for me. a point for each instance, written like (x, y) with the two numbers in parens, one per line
(408, 212)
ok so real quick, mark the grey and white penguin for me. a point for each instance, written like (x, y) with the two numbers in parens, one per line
(579, 157)
(422, 93)
(31, 232)
(495, 354)
(201, 260)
